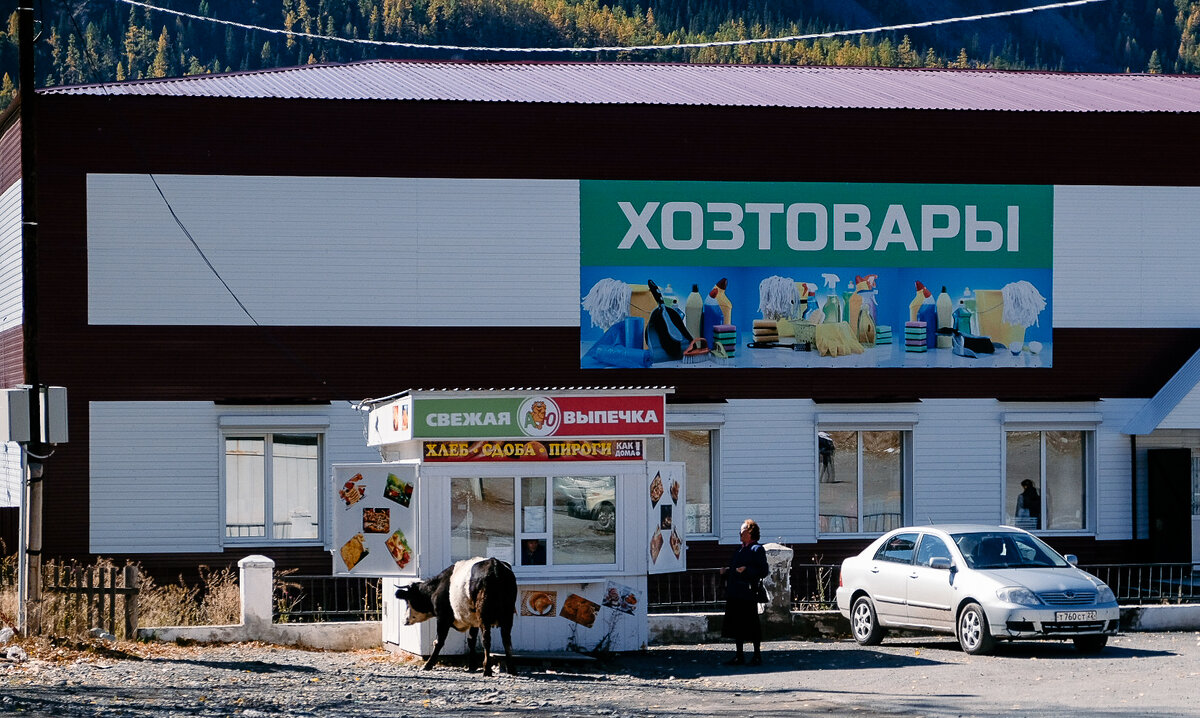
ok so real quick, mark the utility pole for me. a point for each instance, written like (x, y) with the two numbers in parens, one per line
(31, 561)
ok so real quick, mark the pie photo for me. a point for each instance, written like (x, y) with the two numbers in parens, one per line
(674, 492)
(376, 521)
(676, 543)
(352, 491)
(353, 551)
(580, 610)
(397, 546)
(656, 490)
(656, 544)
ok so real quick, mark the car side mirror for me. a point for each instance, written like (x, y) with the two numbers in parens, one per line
(1072, 559)
(940, 562)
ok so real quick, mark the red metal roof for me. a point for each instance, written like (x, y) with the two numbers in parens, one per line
(675, 84)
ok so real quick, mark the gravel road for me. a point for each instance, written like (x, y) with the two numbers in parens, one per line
(1138, 674)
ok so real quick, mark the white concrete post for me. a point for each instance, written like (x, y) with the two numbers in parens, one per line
(257, 579)
(779, 582)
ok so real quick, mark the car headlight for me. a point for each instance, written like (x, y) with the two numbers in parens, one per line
(1104, 594)
(1018, 595)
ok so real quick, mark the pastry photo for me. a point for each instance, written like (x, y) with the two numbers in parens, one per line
(656, 490)
(538, 603)
(656, 544)
(580, 610)
(353, 551)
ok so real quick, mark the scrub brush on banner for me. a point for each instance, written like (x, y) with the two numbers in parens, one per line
(697, 352)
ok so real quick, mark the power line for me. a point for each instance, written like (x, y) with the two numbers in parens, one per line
(623, 48)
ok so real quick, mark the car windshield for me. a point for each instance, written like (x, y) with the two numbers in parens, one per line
(1006, 549)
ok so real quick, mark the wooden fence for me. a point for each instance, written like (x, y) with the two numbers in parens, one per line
(87, 597)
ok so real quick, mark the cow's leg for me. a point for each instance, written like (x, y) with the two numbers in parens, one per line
(443, 629)
(487, 650)
(471, 636)
(506, 636)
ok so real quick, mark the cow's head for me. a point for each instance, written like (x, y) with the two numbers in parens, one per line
(420, 605)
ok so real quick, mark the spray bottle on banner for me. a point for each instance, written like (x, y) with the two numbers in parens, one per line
(914, 306)
(833, 305)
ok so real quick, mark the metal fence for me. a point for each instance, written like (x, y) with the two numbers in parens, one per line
(311, 599)
(1149, 583)
(319, 599)
(814, 586)
(699, 590)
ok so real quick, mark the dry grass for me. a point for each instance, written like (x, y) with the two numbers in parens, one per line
(215, 601)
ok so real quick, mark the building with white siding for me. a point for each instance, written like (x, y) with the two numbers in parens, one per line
(228, 263)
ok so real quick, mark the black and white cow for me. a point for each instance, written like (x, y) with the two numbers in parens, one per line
(472, 594)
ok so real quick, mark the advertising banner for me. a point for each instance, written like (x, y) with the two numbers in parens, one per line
(374, 520)
(757, 274)
(501, 417)
(582, 450)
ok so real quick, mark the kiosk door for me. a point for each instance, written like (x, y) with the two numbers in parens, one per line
(666, 493)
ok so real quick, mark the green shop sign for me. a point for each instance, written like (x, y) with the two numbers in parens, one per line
(754, 224)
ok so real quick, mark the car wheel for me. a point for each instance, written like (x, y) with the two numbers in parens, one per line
(974, 635)
(863, 623)
(606, 518)
(1090, 644)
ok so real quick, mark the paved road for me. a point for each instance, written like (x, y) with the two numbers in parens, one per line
(1154, 674)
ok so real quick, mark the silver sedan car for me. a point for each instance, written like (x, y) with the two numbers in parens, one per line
(980, 583)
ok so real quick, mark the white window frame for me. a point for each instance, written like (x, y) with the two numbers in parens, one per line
(904, 423)
(238, 426)
(712, 423)
(1086, 422)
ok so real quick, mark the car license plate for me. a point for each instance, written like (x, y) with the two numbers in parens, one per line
(1074, 615)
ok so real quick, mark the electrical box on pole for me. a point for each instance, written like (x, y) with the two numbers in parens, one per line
(14, 414)
(54, 414)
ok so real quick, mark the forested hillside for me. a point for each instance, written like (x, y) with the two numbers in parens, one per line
(103, 40)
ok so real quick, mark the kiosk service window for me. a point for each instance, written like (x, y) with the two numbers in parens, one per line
(545, 521)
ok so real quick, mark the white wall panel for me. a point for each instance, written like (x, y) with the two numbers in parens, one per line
(319, 251)
(957, 462)
(1126, 256)
(1114, 519)
(11, 278)
(768, 461)
(1186, 414)
(155, 469)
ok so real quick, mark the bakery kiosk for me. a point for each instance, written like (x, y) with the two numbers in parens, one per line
(555, 482)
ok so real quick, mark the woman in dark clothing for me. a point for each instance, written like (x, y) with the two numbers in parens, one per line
(1030, 502)
(747, 567)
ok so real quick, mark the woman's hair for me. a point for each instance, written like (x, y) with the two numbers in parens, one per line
(1027, 483)
(753, 526)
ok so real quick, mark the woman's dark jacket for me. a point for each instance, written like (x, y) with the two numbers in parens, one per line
(740, 586)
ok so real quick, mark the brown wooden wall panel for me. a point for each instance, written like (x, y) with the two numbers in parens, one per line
(12, 357)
